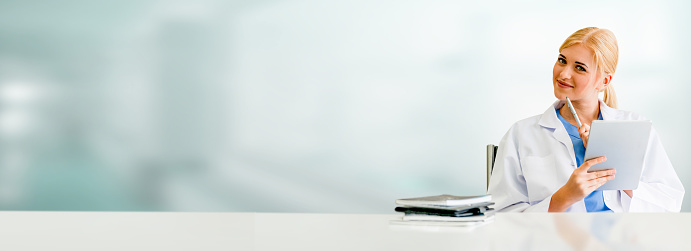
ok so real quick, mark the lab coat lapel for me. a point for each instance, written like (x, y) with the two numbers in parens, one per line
(549, 121)
(608, 113)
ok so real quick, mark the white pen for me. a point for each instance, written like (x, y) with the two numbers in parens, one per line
(573, 111)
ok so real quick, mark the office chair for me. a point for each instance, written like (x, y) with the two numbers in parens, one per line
(491, 155)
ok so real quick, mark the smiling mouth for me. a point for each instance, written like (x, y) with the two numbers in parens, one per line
(564, 84)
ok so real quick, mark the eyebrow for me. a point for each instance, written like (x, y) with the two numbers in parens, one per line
(561, 55)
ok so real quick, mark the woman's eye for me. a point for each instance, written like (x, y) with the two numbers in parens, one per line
(561, 60)
(580, 68)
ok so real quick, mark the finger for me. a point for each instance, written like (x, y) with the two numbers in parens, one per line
(588, 163)
(602, 173)
(584, 132)
(594, 184)
(594, 176)
(591, 176)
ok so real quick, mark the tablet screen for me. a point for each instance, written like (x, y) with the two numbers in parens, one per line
(624, 143)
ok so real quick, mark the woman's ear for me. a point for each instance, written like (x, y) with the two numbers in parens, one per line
(605, 82)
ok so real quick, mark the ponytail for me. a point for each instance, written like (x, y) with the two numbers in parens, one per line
(610, 97)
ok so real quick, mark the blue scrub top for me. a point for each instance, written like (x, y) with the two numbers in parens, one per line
(594, 202)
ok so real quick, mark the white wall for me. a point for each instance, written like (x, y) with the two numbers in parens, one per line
(303, 106)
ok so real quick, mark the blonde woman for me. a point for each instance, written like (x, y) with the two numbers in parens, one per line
(539, 165)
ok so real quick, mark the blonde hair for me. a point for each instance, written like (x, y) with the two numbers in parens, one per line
(603, 43)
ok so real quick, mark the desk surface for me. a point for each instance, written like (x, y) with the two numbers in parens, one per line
(275, 231)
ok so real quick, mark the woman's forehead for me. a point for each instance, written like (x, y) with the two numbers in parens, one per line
(578, 52)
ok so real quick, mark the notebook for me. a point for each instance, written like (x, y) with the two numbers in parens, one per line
(444, 200)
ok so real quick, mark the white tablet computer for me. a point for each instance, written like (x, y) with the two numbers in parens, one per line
(623, 142)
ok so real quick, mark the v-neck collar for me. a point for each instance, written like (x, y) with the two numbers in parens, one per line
(572, 130)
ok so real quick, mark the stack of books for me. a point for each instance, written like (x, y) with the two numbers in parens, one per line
(447, 210)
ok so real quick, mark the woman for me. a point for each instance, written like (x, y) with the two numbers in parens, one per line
(539, 165)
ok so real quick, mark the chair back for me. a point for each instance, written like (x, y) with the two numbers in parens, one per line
(491, 155)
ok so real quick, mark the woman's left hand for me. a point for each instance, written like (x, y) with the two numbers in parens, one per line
(584, 131)
(629, 193)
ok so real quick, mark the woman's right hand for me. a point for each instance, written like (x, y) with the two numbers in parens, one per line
(580, 184)
(584, 132)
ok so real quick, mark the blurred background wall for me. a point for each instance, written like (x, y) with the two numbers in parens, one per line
(298, 105)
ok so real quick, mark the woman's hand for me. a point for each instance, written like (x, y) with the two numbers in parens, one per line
(629, 193)
(584, 132)
(580, 184)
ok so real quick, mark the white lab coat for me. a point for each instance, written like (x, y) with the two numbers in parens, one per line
(536, 158)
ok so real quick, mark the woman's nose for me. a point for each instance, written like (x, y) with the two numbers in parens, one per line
(565, 73)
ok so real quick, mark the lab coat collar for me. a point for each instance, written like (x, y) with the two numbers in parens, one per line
(550, 121)
(549, 118)
(608, 113)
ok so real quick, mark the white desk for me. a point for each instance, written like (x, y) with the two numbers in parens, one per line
(261, 231)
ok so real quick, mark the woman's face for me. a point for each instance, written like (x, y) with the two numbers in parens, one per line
(575, 76)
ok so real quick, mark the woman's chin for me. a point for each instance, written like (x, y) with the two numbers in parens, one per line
(559, 95)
